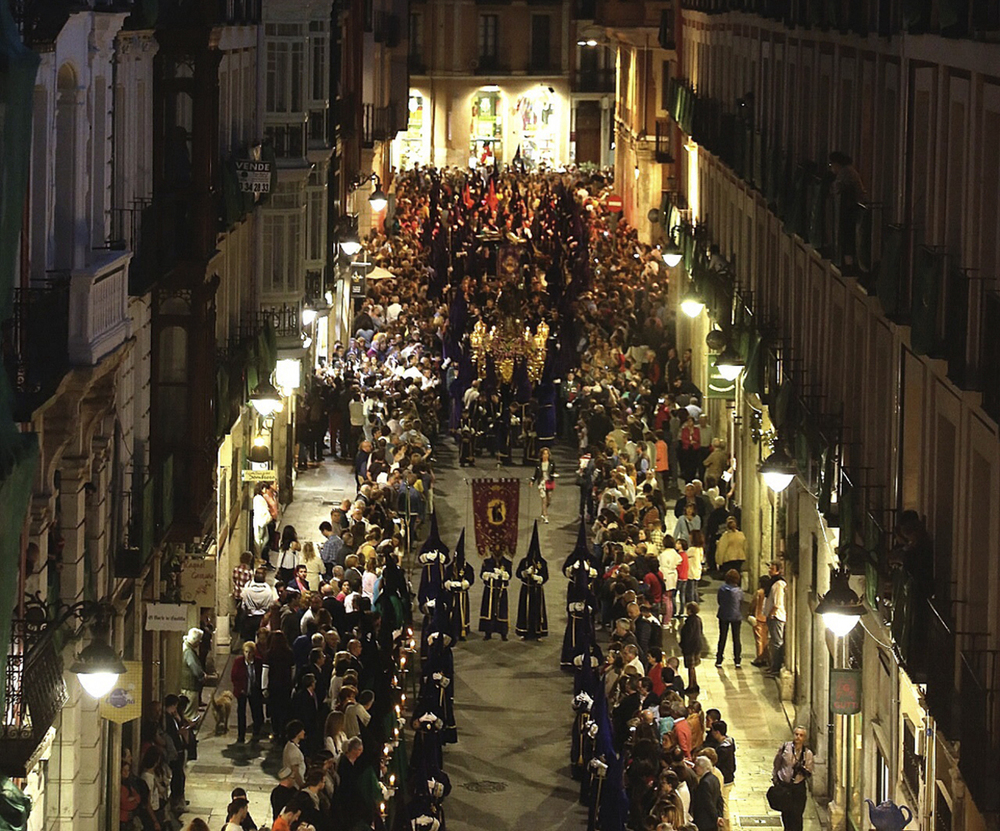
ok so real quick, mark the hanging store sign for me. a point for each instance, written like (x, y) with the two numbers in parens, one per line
(253, 176)
(259, 475)
(719, 387)
(359, 285)
(198, 580)
(166, 617)
(845, 691)
(124, 702)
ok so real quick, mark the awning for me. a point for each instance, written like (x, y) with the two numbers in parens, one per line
(379, 273)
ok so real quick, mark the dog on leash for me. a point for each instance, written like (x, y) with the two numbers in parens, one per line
(222, 708)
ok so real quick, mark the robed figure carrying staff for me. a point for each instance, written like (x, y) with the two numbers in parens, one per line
(459, 576)
(533, 572)
(493, 615)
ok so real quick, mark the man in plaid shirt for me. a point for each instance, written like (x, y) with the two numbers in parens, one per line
(242, 574)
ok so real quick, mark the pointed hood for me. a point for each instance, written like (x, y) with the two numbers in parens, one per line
(459, 557)
(433, 549)
(534, 555)
(580, 554)
(440, 625)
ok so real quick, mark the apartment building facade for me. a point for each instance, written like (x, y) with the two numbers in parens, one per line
(863, 308)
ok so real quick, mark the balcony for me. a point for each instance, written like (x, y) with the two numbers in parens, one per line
(288, 140)
(661, 150)
(491, 65)
(386, 29)
(542, 66)
(34, 692)
(378, 124)
(74, 319)
(629, 14)
(98, 309)
(594, 80)
(979, 702)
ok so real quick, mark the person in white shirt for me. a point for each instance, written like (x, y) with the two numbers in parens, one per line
(235, 814)
(774, 611)
(394, 310)
(669, 560)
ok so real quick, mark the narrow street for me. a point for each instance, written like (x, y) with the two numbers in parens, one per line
(510, 768)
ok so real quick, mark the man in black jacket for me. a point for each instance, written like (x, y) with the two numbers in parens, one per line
(725, 749)
(706, 803)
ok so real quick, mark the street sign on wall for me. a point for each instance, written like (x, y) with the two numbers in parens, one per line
(614, 203)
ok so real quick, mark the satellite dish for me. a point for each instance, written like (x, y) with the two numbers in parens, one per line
(653, 215)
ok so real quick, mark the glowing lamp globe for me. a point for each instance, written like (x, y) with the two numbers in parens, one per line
(729, 364)
(378, 200)
(692, 305)
(840, 608)
(98, 667)
(672, 255)
(265, 399)
(778, 470)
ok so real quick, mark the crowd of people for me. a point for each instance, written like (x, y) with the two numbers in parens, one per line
(324, 616)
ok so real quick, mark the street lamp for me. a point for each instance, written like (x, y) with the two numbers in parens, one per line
(308, 314)
(672, 255)
(260, 454)
(377, 199)
(778, 470)
(265, 399)
(691, 303)
(98, 666)
(729, 363)
(349, 242)
(840, 608)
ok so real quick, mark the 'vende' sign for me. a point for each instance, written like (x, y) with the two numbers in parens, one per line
(254, 177)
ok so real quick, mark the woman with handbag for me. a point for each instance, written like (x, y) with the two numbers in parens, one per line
(793, 765)
(545, 480)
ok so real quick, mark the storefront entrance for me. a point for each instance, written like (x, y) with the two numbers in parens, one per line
(487, 127)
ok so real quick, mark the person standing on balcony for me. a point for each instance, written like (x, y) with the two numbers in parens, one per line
(849, 191)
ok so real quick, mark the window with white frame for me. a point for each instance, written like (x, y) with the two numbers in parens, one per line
(284, 80)
(283, 243)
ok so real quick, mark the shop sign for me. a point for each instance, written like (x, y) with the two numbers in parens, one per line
(614, 203)
(166, 617)
(259, 475)
(253, 176)
(719, 387)
(124, 702)
(845, 691)
(359, 285)
(198, 580)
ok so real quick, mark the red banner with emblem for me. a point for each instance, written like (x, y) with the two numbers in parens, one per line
(495, 504)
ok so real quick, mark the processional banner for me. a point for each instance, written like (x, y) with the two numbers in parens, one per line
(495, 504)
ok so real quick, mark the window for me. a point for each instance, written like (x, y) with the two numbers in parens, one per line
(315, 243)
(284, 76)
(282, 252)
(541, 47)
(488, 36)
(320, 76)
